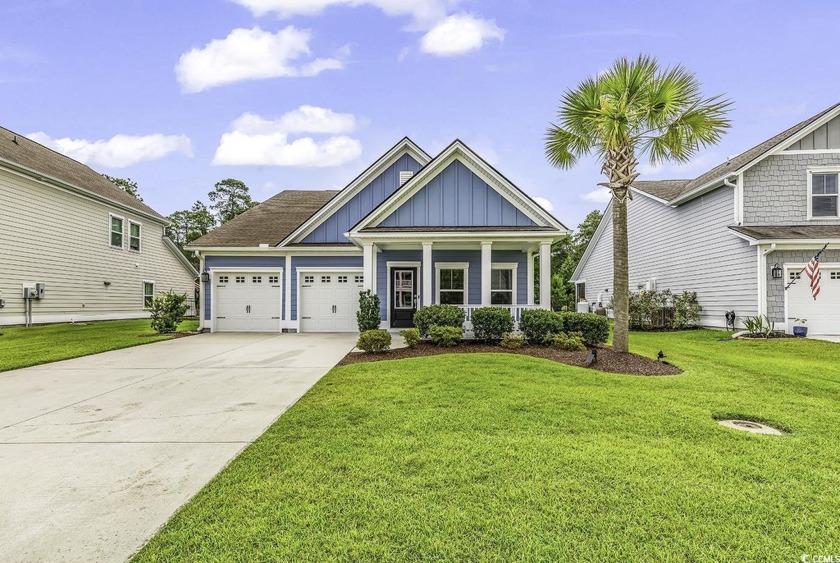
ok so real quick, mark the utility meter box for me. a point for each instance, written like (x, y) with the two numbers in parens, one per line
(39, 290)
(33, 290)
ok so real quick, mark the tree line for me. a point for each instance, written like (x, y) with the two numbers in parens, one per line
(228, 198)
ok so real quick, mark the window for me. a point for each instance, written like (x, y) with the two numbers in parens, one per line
(326, 279)
(223, 279)
(342, 279)
(452, 286)
(824, 195)
(134, 236)
(501, 286)
(148, 294)
(240, 279)
(795, 275)
(273, 279)
(359, 279)
(835, 275)
(256, 279)
(308, 279)
(116, 231)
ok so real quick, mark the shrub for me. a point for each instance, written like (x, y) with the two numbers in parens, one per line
(411, 337)
(648, 308)
(512, 341)
(445, 335)
(571, 341)
(440, 315)
(539, 325)
(376, 340)
(760, 326)
(686, 310)
(491, 323)
(595, 329)
(368, 313)
(168, 311)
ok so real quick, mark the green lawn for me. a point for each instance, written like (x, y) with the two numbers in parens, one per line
(498, 458)
(22, 347)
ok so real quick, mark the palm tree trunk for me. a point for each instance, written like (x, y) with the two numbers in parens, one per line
(621, 276)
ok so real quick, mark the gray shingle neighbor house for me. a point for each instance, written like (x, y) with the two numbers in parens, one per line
(415, 230)
(724, 233)
(100, 252)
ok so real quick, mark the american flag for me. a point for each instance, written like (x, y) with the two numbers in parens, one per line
(812, 270)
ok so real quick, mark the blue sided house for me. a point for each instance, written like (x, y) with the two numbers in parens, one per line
(415, 230)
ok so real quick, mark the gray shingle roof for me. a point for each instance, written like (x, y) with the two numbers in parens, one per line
(730, 166)
(17, 149)
(269, 222)
(663, 189)
(792, 232)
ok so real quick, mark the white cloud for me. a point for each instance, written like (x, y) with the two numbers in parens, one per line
(545, 204)
(119, 151)
(459, 34)
(422, 11)
(598, 195)
(256, 141)
(249, 54)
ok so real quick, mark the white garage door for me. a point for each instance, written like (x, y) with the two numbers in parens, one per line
(823, 314)
(329, 301)
(247, 301)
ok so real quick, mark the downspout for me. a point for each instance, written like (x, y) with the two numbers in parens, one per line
(736, 198)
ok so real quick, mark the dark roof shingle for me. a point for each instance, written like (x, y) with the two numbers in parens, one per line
(790, 232)
(269, 222)
(730, 166)
(20, 150)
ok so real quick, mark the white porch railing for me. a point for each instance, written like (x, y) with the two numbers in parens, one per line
(515, 311)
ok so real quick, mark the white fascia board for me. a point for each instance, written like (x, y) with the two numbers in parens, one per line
(489, 236)
(405, 146)
(798, 244)
(596, 236)
(704, 189)
(56, 183)
(167, 242)
(460, 152)
(650, 196)
(275, 251)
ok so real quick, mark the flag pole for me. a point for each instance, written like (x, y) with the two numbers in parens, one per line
(799, 273)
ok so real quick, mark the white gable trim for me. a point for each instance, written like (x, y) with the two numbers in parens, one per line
(405, 146)
(590, 248)
(778, 149)
(460, 152)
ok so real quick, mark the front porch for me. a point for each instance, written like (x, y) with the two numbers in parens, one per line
(409, 274)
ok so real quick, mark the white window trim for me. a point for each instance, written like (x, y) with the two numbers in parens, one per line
(389, 265)
(154, 287)
(139, 237)
(111, 217)
(506, 266)
(465, 266)
(822, 170)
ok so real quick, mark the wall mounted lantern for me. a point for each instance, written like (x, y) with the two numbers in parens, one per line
(205, 276)
(776, 272)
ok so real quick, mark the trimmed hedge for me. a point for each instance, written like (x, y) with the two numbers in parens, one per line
(376, 340)
(595, 329)
(540, 325)
(571, 341)
(512, 341)
(491, 323)
(367, 316)
(411, 337)
(440, 315)
(446, 335)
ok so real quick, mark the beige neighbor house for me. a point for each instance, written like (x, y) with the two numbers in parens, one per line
(99, 252)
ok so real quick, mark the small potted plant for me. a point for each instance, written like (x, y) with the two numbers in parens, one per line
(799, 329)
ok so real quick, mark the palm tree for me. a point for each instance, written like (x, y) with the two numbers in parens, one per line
(632, 109)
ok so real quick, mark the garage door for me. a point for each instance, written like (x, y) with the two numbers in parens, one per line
(329, 301)
(823, 314)
(247, 301)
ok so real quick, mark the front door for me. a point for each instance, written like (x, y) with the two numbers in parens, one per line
(403, 297)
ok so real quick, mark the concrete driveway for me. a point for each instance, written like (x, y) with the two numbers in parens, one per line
(96, 453)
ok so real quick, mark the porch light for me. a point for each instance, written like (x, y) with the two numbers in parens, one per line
(205, 276)
(776, 272)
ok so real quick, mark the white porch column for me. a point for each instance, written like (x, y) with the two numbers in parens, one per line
(486, 270)
(369, 265)
(288, 292)
(201, 310)
(427, 268)
(545, 275)
(530, 276)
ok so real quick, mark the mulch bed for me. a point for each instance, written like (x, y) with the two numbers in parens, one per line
(613, 362)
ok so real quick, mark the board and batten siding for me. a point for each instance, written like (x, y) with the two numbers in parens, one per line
(60, 238)
(687, 248)
(346, 216)
(776, 189)
(457, 197)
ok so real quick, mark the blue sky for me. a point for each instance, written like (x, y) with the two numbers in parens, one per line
(304, 94)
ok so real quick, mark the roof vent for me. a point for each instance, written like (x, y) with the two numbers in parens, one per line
(405, 176)
(263, 245)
